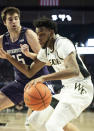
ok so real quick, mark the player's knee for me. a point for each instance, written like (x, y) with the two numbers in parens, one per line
(51, 126)
(5, 101)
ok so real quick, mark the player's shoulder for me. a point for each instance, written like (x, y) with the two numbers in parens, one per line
(30, 32)
(60, 40)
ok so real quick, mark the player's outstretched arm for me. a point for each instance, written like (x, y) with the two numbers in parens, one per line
(13, 61)
(29, 71)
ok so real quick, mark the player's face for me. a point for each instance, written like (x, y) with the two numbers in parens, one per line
(12, 22)
(44, 35)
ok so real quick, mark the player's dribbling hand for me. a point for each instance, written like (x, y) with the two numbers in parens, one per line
(34, 82)
(3, 54)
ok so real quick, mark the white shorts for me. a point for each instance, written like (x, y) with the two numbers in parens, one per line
(73, 99)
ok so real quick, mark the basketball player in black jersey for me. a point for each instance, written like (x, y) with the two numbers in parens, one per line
(12, 94)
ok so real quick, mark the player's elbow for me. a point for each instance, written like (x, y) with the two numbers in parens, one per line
(76, 72)
(29, 74)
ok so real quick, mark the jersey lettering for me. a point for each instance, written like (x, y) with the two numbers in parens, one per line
(80, 88)
(19, 58)
(54, 61)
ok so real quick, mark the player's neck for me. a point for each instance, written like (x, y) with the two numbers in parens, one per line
(14, 35)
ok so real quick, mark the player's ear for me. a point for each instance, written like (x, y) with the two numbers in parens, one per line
(52, 32)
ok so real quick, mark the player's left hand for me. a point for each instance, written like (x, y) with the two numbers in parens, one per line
(3, 54)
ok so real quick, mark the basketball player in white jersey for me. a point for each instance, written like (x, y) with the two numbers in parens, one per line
(60, 53)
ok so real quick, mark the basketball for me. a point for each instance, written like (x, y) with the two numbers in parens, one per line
(37, 97)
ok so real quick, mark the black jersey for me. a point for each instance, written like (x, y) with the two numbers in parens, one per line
(13, 48)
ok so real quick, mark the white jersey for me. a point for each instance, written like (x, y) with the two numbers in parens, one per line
(62, 48)
(76, 95)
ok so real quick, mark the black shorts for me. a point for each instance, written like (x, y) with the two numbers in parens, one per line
(14, 91)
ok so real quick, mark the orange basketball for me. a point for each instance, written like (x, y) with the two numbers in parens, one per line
(37, 97)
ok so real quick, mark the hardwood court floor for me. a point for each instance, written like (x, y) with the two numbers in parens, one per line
(15, 122)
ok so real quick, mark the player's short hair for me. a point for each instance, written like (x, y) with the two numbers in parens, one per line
(9, 10)
(46, 22)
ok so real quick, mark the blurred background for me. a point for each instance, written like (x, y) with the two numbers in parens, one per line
(75, 19)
